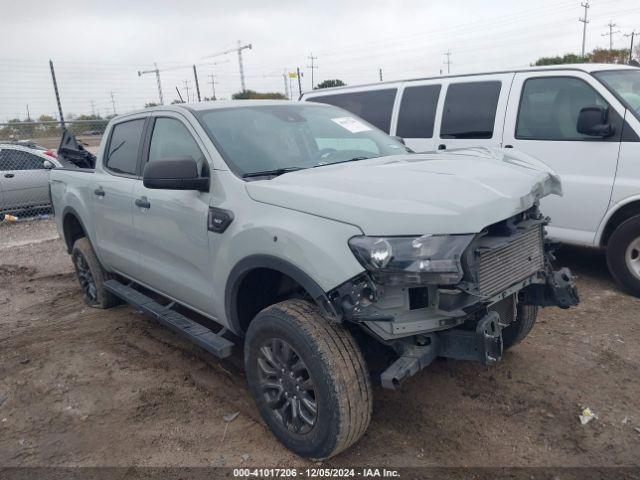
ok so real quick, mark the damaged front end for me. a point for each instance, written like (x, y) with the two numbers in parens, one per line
(451, 296)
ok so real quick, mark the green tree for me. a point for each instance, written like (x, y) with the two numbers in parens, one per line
(598, 55)
(566, 58)
(253, 95)
(151, 104)
(331, 83)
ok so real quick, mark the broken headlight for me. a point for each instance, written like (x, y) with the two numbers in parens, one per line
(428, 259)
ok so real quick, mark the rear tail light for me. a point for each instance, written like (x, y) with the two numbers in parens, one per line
(51, 153)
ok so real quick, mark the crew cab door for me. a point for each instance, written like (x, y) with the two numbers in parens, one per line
(472, 114)
(541, 120)
(112, 194)
(171, 225)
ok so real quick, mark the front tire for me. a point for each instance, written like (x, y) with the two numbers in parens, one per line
(623, 255)
(308, 378)
(526, 316)
(91, 276)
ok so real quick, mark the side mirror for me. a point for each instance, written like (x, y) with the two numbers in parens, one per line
(593, 121)
(174, 174)
(47, 165)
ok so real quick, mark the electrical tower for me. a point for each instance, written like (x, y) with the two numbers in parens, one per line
(448, 62)
(610, 33)
(313, 67)
(113, 103)
(157, 72)
(213, 85)
(238, 49)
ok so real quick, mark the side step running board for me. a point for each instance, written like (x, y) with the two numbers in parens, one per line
(198, 334)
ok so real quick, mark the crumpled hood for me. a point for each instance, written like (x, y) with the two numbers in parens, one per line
(459, 191)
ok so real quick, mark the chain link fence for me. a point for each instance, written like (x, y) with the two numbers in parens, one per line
(28, 151)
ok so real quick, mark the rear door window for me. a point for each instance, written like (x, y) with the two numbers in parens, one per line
(122, 152)
(375, 106)
(418, 111)
(11, 159)
(470, 110)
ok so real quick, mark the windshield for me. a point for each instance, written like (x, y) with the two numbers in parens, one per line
(625, 84)
(279, 138)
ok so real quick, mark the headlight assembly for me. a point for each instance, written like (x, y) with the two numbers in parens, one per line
(428, 259)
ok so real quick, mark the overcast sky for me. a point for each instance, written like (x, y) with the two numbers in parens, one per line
(98, 46)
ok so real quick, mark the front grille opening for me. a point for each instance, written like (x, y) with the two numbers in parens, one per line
(418, 298)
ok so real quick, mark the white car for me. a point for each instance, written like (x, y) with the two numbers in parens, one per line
(581, 120)
(24, 178)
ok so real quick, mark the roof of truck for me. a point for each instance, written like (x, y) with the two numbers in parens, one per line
(210, 105)
(582, 67)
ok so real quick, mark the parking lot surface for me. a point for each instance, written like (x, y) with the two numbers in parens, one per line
(80, 386)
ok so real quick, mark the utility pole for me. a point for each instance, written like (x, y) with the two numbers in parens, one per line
(584, 24)
(380, 72)
(632, 34)
(55, 88)
(195, 75)
(93, 108)
(186, 87)
(312, 67)
(286, 85)
(610, 34)
(448, 62)
(28, 114)
(157, 72)
(299, 81)
(213, 84)
(113, 103)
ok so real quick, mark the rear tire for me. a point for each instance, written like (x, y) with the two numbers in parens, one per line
(623, 255)
(91, 276)
(526, 317)
(308, 378)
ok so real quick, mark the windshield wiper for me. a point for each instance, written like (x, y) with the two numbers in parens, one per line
(273, 173)
(354, 159)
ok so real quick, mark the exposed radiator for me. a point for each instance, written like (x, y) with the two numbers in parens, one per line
(501, 267)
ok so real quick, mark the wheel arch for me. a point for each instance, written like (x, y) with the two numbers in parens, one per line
(616, 217)
(73, 227)
(261, 264)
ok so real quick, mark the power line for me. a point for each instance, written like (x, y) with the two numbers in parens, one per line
(312, 67)
(610, 33)
(584, 21)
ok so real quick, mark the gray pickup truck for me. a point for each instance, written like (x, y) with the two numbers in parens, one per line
(320, 241)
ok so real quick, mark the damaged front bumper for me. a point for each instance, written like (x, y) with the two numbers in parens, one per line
(505, 268)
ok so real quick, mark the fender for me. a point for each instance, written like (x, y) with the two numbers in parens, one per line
(68, 210)
(610, 213)
(247, 264)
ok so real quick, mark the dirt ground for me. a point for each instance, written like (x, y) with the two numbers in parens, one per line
(84, 387)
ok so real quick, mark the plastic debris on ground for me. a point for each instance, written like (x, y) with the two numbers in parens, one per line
(586, 415)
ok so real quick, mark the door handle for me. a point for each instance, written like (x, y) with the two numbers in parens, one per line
(442, 146)
(99, 192)
(142, 202)
(9, 175)
(508, 146)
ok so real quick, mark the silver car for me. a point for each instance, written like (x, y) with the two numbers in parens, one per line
(24, 179)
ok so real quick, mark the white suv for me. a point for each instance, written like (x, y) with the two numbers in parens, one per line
(581, 120)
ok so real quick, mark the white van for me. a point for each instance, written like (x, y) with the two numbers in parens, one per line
(582, 120)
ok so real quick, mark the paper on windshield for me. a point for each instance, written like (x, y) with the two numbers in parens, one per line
(352, 124)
